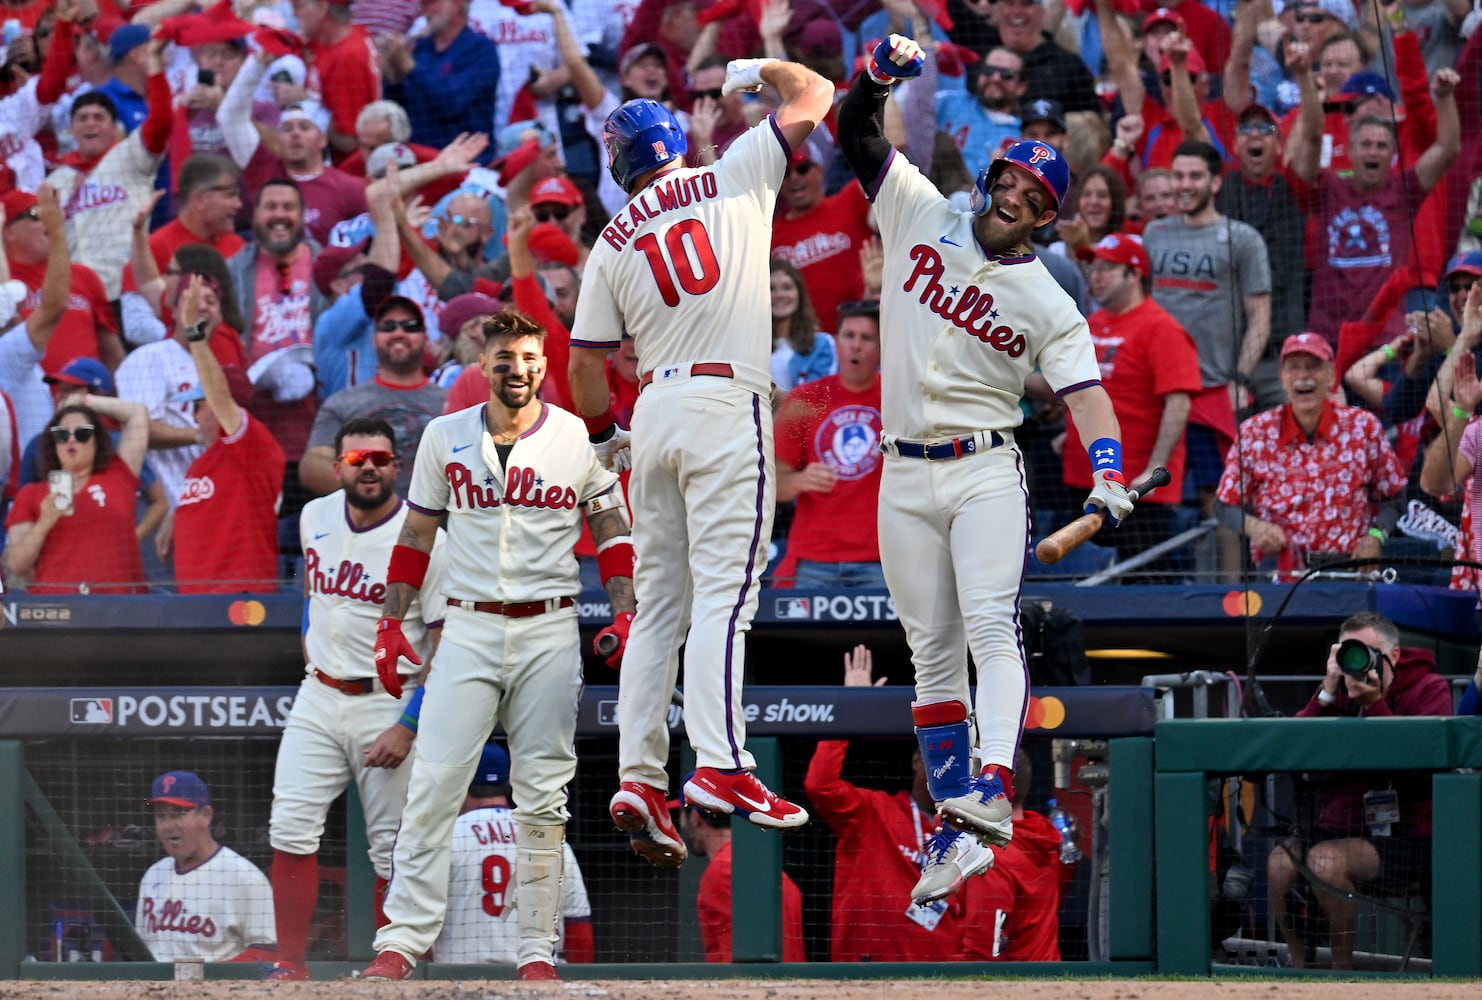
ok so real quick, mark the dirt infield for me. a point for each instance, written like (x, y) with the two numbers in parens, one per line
(742, 989)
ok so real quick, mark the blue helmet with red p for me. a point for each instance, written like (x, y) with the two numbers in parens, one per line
(1039, 159)
(641, 135)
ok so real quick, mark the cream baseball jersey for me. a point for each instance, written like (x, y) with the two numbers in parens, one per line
(101, 204)
(345, 572)
(214, 911)
(161, 375)
(684, 265)
(962, 332)
(511, 529)
(480, 924)
(21, 117)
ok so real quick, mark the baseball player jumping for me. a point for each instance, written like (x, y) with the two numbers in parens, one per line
(967, 313)
(514, 477)
(683, 267)
(344, 725)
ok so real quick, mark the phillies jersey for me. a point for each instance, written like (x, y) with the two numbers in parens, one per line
(215, 911)
(160, 375)
(876, 865)
(21, 117)
(480, 924)
(100, 206)
(690, 247)
(511, 528)
(344, 569)
(88, 314)
(967, 331)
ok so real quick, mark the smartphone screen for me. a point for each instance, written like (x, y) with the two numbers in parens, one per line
(206, 77)
(60, 483)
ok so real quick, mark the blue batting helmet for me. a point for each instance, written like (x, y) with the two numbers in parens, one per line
(1039, 159)
(493, 767)
(639, 136)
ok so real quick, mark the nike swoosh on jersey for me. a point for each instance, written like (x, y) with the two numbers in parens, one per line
(459, 447)
(322, 534)
(950, 243)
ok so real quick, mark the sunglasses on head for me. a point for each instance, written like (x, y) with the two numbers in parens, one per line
(1256, 128)
(713, 93)
(392, 325)
(1001, 72)
(82, 433)
(32, 213)
(549, 212)
(375, 456)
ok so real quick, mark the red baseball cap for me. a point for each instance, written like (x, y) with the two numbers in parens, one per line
(1307, 343)
(1121, 248)
(556, 189)
(1163, 16)
(332, 260)
(17, 203)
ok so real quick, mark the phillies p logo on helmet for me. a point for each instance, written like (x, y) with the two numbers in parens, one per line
(1040, 153)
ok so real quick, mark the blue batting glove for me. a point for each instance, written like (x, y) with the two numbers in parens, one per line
(896, 58)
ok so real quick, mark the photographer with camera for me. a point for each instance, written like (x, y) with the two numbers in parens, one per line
(1370, 825)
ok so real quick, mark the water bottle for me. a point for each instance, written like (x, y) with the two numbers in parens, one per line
(1070, 851)
(12, 29)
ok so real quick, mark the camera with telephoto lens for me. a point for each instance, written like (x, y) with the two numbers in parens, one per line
(1357, 658)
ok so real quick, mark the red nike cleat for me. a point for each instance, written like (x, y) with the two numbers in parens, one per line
(741, 793)
(533, 971)
(641, 811)
(388, 967)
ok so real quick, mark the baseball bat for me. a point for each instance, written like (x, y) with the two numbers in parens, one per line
(1060, 544)
(608, 644)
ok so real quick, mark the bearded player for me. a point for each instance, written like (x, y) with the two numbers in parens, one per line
(344, 725)
(683, 267)
(967, 313)
(515, 478)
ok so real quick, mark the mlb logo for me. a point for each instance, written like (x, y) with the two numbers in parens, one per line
(92, 711)
(607, 713)
(793, 608)
(659, 150)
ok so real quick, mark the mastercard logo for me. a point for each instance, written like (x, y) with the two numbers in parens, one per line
(1242, 604)
(246, 613)
(1045, 713)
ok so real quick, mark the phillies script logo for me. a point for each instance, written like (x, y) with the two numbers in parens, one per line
(972, 311)
(197, 489)
(171, 918)
(522, 488)
(347, 580)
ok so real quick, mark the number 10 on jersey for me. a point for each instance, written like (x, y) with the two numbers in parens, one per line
(685, 256)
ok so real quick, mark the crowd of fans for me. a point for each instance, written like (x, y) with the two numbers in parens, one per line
(1281, 196)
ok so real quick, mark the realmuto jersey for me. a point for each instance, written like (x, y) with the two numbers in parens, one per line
(960, 333)
(512, 524)
(345, 574)
(214, 911)
(480, 923)
(684, 265)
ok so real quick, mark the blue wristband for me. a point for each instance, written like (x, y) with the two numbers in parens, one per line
(1106, 455)
(413, 710)
(303, 628)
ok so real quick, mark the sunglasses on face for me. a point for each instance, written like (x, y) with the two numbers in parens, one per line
(463, 220)
(1001, 72)
(713, 93)
(1312, 18)
(1256, 128)
(392, 325)
(82, 433)
(801, 169)
(557, 212)
(375, 456)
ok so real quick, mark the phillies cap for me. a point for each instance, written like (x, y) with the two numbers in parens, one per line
(310, 111)
(331, 261)
(17, 203)
(1469, 262)
(1163, 16)
(1043, 110)
(1308, 343)
(375, 164)
(179, 788)
(1258, 111)
(1121, 248)
(87, 372)
(637, 52)
(556, 189)
(493, 768)
(403, 302)
(1366, 83)
(462, 308)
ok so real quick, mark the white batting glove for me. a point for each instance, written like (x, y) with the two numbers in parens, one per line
(1110, 493)
(743, 74)
(896, 58)
(616, 453)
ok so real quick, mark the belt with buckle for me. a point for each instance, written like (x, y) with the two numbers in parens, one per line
(942, 451)
(360, 685)
(526, 609)
(719, 369)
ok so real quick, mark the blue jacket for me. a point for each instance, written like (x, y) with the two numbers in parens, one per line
(450, 92)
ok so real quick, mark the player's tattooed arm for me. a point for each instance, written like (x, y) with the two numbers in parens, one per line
(607, 525)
